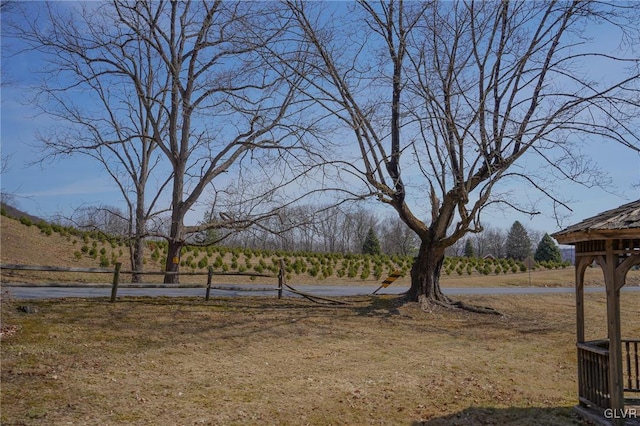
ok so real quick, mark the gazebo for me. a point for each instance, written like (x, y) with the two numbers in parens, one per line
(608, 369)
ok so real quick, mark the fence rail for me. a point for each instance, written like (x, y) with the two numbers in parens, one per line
(42, 268)
(117, 271)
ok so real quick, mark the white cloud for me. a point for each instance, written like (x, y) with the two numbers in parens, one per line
(84, 187)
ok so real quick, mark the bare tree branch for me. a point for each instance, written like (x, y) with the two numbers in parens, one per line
(459, 93)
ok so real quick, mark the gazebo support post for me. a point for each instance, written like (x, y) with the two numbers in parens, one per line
(581, 266)
(613, 329)
(582, 263)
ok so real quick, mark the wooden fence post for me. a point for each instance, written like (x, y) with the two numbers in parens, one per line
(209, 276)
(116, 279)
(280, 278)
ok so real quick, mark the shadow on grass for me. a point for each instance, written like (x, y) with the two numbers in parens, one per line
(383, 306)
(511, 416)
(160, 321)
(164, 321)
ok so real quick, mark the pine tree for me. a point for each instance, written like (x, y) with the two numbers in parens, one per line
(371, 243)
(209, 236)
(518, 244)
(547, 250)
(468, 249)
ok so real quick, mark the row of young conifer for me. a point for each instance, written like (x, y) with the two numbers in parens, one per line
(108, 250)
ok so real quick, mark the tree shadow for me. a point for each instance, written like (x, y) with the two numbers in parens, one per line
(510, 416)
(383, 306)
(171, 320)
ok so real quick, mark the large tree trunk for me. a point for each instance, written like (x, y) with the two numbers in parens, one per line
(136, 252)
(137, 261)
(176, 241)
(176, 232)
(425, 281)
(425, 275)
(173, 262)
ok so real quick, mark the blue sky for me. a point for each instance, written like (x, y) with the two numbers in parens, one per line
(55, 188)
(51, 187)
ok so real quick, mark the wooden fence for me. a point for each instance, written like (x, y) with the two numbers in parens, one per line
(593, 370)
(593, 373)
(115, 283)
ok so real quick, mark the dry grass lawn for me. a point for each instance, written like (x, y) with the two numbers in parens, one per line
(237, 361)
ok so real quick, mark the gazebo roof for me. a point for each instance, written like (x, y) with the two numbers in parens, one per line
(621, 222)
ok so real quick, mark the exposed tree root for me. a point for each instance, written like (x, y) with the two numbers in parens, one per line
(477, 309)
(426, 304)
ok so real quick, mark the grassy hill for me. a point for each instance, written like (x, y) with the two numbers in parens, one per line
(23, 242)
(16, 213)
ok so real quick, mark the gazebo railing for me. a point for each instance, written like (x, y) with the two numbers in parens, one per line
(593, 370)
(631, 364)
(593, 373)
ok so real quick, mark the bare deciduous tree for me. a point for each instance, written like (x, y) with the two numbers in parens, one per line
(444, 100)
(186, 92)
(226, 97)
(94, 78)
(109, 220)
(456, 249)
(491, 241)
(6, 197)
(309, 228)
(398, 238)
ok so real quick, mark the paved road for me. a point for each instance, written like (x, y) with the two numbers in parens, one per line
(255, 290)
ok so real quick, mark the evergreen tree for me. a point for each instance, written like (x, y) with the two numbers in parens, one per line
(371, 244)
(468, 249)
(547, 250)
(518, 244)
(209, 236)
